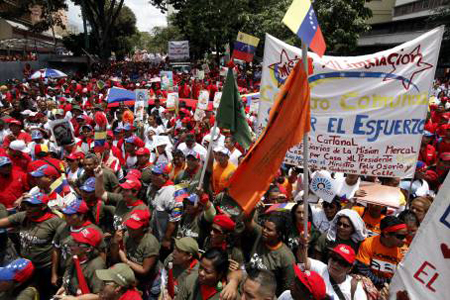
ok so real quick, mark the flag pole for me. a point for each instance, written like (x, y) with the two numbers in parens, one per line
(305, 153)
(208, 154)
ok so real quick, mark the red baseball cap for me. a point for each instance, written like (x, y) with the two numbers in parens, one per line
(131, 183)
(88, 235)
(313, 282)
(346, 252)
(225, 222)
(143, 151)
(134, 173)
(138, 219)
(14, 121)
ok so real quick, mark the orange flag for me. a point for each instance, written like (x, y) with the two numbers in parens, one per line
(289, 120)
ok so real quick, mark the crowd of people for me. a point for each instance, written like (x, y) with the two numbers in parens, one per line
(18, 57)
(132, 218)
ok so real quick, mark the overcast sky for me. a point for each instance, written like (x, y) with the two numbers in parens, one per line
(147, 16)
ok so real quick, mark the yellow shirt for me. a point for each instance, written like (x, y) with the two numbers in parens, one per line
(221, 176)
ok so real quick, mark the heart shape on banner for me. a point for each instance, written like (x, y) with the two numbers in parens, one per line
(445, 250)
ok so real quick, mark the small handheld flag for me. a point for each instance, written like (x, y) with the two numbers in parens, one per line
(245, 47)
(302, 20)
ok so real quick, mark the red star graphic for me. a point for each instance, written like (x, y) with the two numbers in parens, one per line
(420, 64)
(286, 64)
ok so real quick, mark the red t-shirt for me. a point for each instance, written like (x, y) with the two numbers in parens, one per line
(22, 136)
(12, 187)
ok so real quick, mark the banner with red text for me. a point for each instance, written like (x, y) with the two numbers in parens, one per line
(367, 112)
(424, 272)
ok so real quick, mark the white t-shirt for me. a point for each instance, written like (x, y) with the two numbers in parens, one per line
(234, 158)
(345, 287)
(197, 148)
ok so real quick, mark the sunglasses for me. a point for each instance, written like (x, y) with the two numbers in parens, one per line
(400, 237)
(343, 225)
(340, 261)
(327, 205)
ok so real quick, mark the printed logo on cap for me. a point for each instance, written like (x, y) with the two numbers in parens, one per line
(344, 249)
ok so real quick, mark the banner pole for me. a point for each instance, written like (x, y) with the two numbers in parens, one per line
(305, 154)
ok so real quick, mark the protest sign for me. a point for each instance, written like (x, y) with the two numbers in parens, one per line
(172, 99)
(424, 272)
(323, 186)
(199, 114)
(217, 97)
(203, 100)
(140, 104)
(166, 80)
(201, 74)
(367, 112)
(380, 194)
(62, 131)
(178, 50)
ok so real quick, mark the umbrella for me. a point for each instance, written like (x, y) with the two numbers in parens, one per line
(47, 73)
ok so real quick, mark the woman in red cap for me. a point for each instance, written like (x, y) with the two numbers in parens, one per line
(339, 284)
(222, 237)
(139, 249)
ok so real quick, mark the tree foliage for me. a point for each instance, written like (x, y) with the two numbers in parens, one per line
(211, 24)
(102, 16)
(122, 39)
(22, 8)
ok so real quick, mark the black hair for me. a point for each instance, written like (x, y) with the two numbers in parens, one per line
(389, 221)
(266, 280)
(177, 152)
(92, 156)
(408, 216)
(293, 216)
(280, 224)
(219, 260)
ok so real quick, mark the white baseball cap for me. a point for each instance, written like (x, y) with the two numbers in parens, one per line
(19, 145)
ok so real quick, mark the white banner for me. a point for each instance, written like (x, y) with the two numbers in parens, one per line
(217, 97)
(172, 99)
(424, 272)
(179, 50)
(367, 112)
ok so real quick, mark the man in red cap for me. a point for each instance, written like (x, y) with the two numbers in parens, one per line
(143, 159)
(339, 284)
(79, 278)
(435, 175)
(15, 126)
(37, 226)
(307, 285)
(13, 183)
(18, 152)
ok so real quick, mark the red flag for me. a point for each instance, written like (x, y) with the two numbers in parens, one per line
(289, 120)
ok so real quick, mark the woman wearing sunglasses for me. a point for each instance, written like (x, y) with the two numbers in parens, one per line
(339, 284)
(346, 228)
(379, 255)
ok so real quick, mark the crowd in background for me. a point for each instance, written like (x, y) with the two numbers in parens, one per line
(134, 219)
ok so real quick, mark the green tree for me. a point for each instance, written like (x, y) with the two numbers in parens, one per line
(341, 21)
(102, 16)
(121, 40)
(208, 24)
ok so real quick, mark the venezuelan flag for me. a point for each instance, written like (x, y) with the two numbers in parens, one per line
(99, 141)
(60, 186)
(302, 20)
(245, 47)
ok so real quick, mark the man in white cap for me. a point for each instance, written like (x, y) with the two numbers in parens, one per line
(222, 169)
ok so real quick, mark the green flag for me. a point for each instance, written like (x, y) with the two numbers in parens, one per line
(231, 114)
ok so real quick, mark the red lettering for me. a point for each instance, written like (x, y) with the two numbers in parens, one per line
(422, 280)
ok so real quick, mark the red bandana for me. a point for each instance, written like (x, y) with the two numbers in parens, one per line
(207, 291)
(131, 295)
(45, 217)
